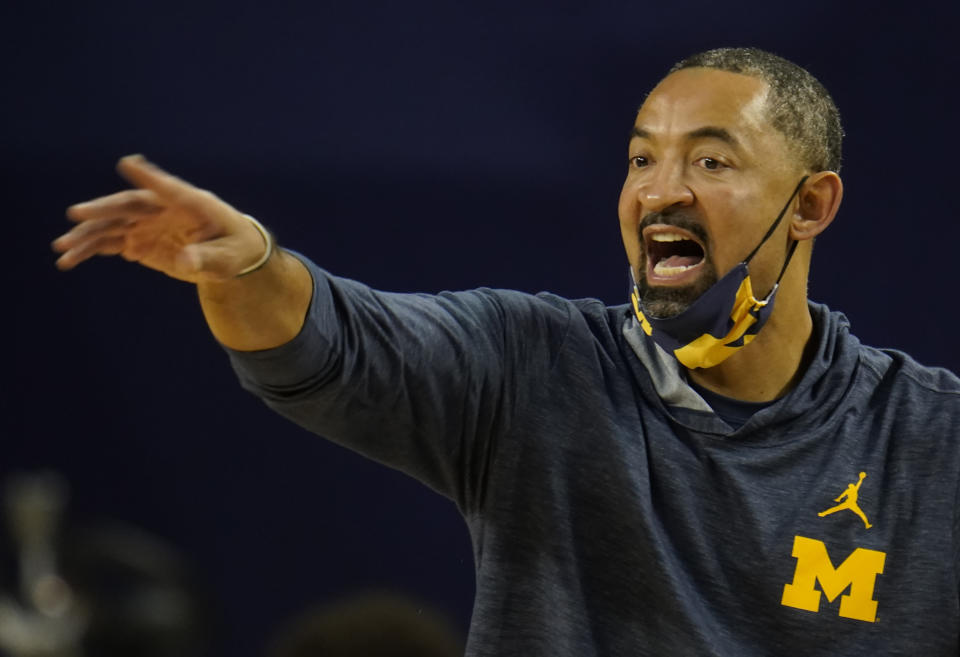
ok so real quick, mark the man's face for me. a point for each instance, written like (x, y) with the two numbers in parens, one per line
(707, 176)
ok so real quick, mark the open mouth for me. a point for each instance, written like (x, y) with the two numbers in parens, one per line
(671, 252)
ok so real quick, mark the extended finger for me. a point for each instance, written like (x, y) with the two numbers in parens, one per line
(88, 230)
(104, 245)
(146, 175)
(122, 204)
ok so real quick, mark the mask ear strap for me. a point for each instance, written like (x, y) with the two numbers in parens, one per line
(776, 222)
(790, 250)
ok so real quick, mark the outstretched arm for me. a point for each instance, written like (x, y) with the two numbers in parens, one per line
(424, 383)
(189, 234)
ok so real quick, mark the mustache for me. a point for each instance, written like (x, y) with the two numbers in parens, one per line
(677, 219)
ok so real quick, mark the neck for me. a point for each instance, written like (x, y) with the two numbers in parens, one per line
(773, 363)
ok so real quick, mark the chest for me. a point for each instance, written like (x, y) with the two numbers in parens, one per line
(846, 534)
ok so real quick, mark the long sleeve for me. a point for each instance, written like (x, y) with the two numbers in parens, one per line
(423, 383)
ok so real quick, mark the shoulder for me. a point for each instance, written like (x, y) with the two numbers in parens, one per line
(884, 369)
(574, 331)
(898, 368)
(912, 396)
(518, 320)
(515, 308)
(590, 318)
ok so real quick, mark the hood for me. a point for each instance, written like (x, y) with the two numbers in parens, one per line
(818, 399)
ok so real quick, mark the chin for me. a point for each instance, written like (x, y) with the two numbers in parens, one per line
(662, 308)
(663, 301)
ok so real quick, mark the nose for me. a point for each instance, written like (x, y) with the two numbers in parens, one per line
(664, 188)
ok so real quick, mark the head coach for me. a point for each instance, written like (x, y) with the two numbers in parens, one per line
(718, 467)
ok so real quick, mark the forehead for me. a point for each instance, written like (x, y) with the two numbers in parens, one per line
(693, 98)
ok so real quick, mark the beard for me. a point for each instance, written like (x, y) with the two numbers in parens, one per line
(662, 301)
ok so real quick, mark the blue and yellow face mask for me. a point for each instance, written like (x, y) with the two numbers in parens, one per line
(723, 319)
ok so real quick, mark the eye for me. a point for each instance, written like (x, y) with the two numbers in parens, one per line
(639, 161)
(711, 164)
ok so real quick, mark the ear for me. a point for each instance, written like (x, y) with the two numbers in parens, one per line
(818, 202)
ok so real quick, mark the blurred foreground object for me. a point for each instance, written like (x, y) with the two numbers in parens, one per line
(143, 598)
(45, 619)
(105, 591)
(368, 625)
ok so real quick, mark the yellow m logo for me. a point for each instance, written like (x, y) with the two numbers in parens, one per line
(859, 572)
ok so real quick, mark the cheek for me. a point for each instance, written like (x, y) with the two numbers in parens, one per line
(735, 227)
(628, 212)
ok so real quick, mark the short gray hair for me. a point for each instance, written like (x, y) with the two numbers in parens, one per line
(797, 105)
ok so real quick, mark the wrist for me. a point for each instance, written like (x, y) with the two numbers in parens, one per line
(269, 246)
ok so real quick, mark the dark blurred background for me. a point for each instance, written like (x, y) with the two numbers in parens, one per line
(416, 146)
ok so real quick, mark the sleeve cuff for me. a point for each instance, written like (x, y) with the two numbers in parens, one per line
(299, 359)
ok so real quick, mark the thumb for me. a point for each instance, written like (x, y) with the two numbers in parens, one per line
(218, 259)
(188, 263)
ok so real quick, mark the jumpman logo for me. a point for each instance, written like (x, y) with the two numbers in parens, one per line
(848, 500)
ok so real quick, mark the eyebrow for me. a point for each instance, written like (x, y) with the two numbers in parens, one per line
(713, 132)
(706, 132)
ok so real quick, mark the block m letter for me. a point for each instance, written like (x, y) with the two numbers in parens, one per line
(859, 572)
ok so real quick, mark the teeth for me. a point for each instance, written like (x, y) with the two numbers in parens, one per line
(668, 237)
(663, 270)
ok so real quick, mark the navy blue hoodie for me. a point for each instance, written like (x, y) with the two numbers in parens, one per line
(611, 511)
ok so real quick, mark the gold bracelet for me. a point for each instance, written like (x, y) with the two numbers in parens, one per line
(268, 251)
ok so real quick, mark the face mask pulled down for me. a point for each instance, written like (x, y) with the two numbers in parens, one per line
(723, 319)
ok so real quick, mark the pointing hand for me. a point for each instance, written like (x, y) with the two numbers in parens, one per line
(166, 224)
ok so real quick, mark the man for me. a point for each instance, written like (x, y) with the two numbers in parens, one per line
(637, 480)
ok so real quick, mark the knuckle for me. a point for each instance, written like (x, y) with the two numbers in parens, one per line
(200, 201)
(139, 201)
(205, 196)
